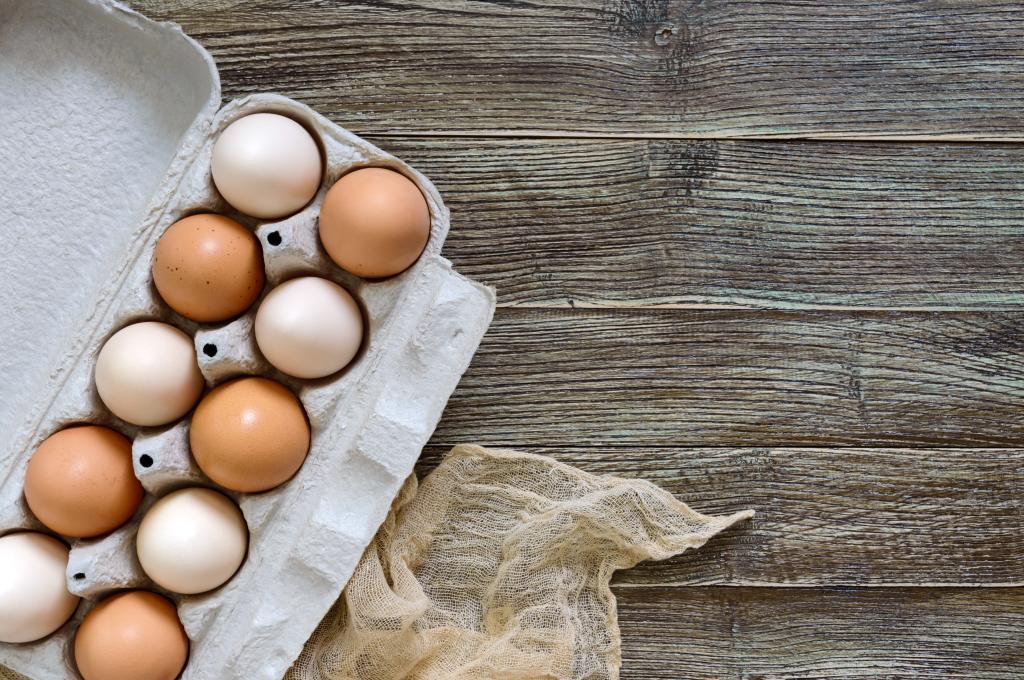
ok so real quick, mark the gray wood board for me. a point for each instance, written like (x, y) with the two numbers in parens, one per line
(859, 517)
(763, 224)
(762, 633)
(743, 378)
(919, 68)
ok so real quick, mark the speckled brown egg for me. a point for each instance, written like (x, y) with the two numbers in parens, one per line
(374, 222)
(208, 267)
(80, 482)
(249, 434)
(134, 635)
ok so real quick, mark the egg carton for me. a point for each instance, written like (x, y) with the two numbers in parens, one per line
(369, 422)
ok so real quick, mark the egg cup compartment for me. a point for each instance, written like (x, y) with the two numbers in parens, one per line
(368, 422)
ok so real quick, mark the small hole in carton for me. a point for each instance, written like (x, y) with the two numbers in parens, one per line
(274, 238)
(79, 576)
(210, 349)
(146, 460)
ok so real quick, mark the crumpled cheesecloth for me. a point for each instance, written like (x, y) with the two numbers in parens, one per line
(497, 568)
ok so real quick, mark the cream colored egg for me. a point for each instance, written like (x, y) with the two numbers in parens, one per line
(34, 598)
(266, 165)
(147, 374)
(309, 327)
(192, 540)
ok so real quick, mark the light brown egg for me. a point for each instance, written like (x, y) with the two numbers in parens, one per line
(208, 267)
(374, 222)
(249, 434)
(80, 481)
(131, 636)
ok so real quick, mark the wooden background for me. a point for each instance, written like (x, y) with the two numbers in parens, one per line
(767, 254)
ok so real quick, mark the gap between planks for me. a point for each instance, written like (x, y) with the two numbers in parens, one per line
(753, 307)
(894, 585)
(554, 135)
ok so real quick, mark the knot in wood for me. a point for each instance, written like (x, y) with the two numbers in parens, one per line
(663, 36)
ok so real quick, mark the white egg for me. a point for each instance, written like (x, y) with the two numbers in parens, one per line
(34, 598)
(192, 541)
(266, 165)
(309, 327)
(147, 373)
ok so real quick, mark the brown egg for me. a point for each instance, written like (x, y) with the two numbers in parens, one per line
(80, 481)
(374, 222)
(131, 636)
(208, 267)
(249, 434)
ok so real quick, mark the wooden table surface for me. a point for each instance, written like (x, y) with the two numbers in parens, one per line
(765, 254)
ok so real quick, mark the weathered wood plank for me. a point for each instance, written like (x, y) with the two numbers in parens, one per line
(915, 68)
(743, 378)
(766, 224)
(761, 633)
(864, 517)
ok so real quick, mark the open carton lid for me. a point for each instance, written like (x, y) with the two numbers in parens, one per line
(95, 103)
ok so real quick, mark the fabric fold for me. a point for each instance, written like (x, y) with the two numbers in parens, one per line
(497, 566)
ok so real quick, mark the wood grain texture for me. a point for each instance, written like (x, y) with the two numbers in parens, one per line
(913, 68)
(762, 633)
(765, 224)
(728, 378)
(883, 450)
(858, 517)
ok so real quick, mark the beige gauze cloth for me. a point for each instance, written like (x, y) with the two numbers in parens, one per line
(497, 568)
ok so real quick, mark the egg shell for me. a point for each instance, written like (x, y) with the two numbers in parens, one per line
(374, 222)
(249, 434)
(192, 540)
(309, 327)
(34, 599)
(208, 267)
(134, 635)
(266, 165)
(80, 481)
(370, 421)
(147, 373)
